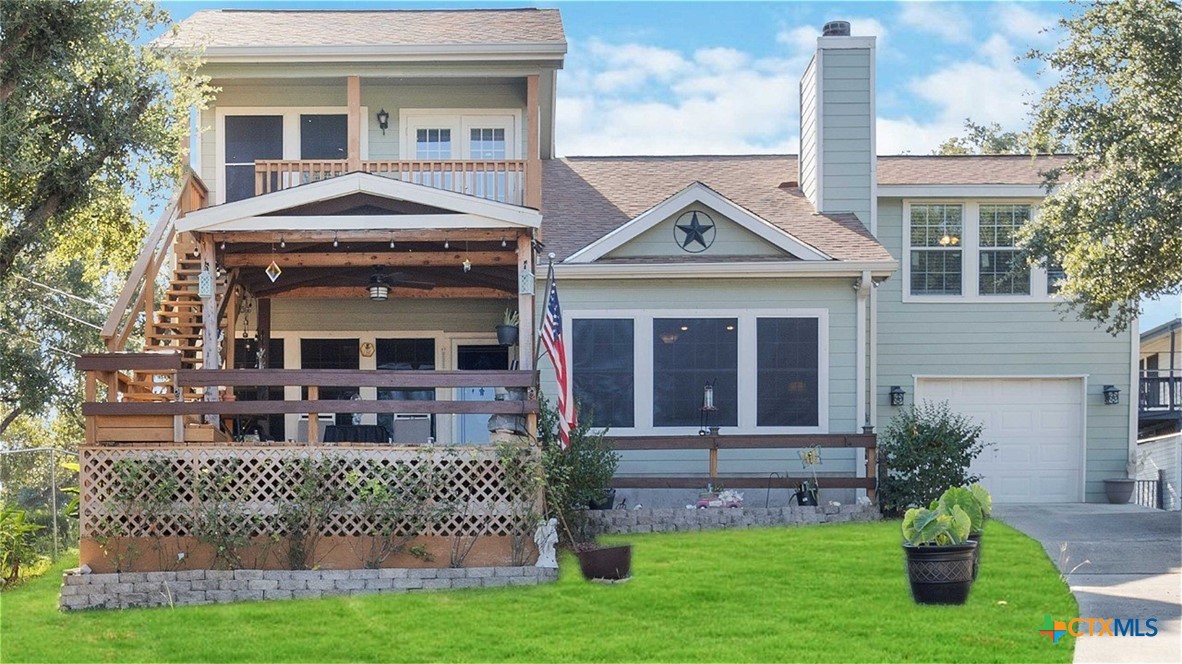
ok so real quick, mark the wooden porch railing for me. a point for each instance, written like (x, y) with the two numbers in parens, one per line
(106, 369)
(498, 180)
(715, 443)
(1161, 391)
(138, 294)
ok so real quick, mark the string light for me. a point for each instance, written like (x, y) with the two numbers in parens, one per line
(282, 243)
(334, 240)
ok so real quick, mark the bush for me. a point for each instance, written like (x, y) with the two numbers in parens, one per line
(577, 475)
(927, 449)
(16, 544)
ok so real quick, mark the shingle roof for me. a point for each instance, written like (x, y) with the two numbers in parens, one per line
(248, 28)
(969, 169)
(584, 198)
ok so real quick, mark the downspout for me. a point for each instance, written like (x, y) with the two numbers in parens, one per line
(864, 287)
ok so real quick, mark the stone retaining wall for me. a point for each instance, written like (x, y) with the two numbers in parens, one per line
(139, 589)
(646, 520)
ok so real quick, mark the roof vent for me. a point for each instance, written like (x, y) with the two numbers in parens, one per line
(836, 29)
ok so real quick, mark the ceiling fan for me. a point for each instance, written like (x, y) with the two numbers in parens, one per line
(380, 284)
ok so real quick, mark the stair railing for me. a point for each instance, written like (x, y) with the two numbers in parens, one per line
(138, 294)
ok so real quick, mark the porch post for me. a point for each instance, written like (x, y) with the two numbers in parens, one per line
(211, 358)
(533, 158)
(525, 304)
(353, 124)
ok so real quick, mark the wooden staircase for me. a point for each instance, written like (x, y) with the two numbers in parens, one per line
(176, 326)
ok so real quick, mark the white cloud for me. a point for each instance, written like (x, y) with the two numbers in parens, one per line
(948, 22)
(1024, 25)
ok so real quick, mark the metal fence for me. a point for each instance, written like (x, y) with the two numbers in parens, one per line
(32, 479)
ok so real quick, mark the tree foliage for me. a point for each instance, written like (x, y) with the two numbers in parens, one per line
(1114, 223)
(992, 139)
(89, 118)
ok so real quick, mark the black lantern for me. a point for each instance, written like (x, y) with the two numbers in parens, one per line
(1111, 395)
(379, 290)
(383, 121)
(897, 395)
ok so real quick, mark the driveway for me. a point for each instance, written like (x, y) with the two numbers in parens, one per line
(1121, 561)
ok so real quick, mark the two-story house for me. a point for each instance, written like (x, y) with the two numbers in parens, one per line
(375, 190)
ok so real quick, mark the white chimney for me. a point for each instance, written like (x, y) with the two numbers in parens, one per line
(837, 111)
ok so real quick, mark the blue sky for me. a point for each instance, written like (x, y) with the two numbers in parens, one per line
(721, 77)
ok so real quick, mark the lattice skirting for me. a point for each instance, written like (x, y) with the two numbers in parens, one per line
(161, 491)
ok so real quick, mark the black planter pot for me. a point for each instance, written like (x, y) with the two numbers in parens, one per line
(1119, 491)
(612, 563)
(976, 537)
(940, 574)
(607, 502)
(507, 335)
(806, 498)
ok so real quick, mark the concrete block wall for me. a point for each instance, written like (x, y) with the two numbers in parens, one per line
(647, 520)
(142, 589)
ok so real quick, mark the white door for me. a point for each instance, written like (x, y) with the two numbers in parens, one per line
(1035, 426)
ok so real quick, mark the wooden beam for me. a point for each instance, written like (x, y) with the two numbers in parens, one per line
(313, 415)
(361, 292)
(353, 95)
(209, 319)
(400, 235)
(263, 328)
(168, 361)
(90, 395)
(370, 259)
(738, 442)
(353, 378)
(215, 408)
(698, 482)
(533, 158)
(525, 304)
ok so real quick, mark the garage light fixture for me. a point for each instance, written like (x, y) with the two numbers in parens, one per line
(1111, 395)
(897, 395)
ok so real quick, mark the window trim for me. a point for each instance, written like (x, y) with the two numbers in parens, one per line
(459, 120)
(291, 133)
(971, 254)
(642, 345)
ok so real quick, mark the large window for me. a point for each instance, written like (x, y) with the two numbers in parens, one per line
(998, 271)
(688, 354)
(324, 136)
(787, 388)
(249, 137)
(967, 251)
(936, 254)
(332, 354)
(603, 364)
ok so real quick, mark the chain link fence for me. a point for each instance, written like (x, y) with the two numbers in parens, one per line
(43, 481)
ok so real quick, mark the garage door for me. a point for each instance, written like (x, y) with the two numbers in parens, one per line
(1036, 427)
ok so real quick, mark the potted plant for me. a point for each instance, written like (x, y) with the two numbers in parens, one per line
(939, 554)
(806, 494)
(604, 563)
(1120, 489)
(507, 331)
(977, 503)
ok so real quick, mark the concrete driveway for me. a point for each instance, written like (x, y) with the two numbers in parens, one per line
(1121, 561)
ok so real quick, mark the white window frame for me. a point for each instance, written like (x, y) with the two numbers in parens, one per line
(291, 132)
(459, 121)
(642, 349)
(971, 254)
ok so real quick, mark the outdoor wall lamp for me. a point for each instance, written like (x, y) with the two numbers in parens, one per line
(1111, 395)
(897, 395)
(383, 121)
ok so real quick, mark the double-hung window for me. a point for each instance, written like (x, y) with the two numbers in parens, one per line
(937, 254)
(998, 273)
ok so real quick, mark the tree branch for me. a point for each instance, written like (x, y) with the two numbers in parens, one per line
(10, 417)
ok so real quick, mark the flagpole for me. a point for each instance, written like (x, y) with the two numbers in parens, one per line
(537, 378)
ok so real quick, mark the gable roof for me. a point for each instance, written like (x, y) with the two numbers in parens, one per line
(260, 30)
(696, 193)
(262, 212)
(585, 198)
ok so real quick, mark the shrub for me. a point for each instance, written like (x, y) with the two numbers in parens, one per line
(16, 544)
(577, 475)
(927, 449)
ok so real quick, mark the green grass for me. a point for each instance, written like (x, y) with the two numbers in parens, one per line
(826, 593)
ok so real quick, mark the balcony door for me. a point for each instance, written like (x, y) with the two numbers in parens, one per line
(476, 356)
(484, 137)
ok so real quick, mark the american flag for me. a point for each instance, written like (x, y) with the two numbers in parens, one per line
(552, 340)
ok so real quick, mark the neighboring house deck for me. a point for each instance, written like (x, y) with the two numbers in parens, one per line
(1160, 371)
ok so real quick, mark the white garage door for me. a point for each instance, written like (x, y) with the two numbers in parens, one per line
(1036, 427)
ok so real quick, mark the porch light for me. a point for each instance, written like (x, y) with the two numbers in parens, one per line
(1111, 395)
(897, 395)
(379, 290)
(383, 121)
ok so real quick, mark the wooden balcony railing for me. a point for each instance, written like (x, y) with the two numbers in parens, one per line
(117, 420)
(1161, 391)
(498, 180)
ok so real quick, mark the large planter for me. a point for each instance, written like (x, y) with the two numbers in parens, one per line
(1119, 491)
(507, 335)
(940, 574)
(976, 537)
(613, 563)
(605, 502)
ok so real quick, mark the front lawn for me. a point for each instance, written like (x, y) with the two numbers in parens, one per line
(824, 593)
